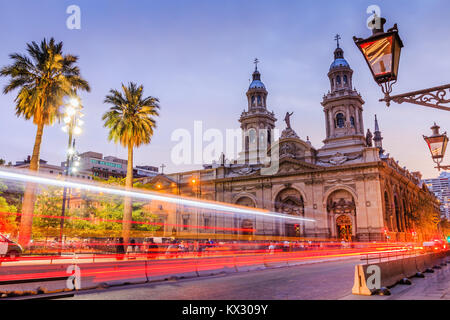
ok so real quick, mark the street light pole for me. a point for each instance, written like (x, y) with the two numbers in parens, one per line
(73, 123)
(67, 171)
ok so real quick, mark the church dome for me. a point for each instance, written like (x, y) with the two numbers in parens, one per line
(340, 62)
(257, 84)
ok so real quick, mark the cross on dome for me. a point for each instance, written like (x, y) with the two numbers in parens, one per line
(256, 63)
(337, 38)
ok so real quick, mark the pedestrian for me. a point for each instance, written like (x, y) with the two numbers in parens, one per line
(120, 249)
(131, 249)
(152, 251)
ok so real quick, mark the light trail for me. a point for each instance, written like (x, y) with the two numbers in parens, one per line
(147, 196)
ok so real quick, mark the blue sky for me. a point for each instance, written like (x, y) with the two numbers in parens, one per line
(196, 57)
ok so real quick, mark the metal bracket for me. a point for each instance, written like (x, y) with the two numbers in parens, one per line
(433, 97)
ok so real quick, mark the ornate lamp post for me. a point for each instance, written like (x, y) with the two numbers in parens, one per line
(382, 54)
(437, 143)
(73, 123)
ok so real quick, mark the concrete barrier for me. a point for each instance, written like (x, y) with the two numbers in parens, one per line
(443, 258)
(34, 278)
(420, 263)
(99, 274)
(297, 258)
(409, 267)
(165, 269)
(250, 262)
(216, 265)
(428, 261)
(377, 277)
(276, 260)
(391, 272)
(360, 281)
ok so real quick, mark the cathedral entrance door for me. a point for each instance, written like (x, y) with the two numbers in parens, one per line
(344, 227)
(290, 230)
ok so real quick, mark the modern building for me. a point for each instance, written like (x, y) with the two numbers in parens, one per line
(349, 187)
(47, 168)
(441, 188)
(109, 166)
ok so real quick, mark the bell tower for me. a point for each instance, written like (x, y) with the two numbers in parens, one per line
(257, 123)
(342, 107)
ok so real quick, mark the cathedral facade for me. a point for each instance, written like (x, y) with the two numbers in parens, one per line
(349, 187)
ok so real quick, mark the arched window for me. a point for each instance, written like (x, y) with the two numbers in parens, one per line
(259, 101)
(262, 139)
(398, 215)
(406, 215)
(340, 120)
(345, 79)
(387, 209)
(253, 101)
(338, 80)
(252, 136)
(352, 121)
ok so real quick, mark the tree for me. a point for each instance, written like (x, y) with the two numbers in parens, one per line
(43, 78)
(2, 162)
(47, 213)
(8, 224)
(425, 216)
(131, 122)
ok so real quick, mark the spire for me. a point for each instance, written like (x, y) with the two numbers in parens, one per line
(378, 139)
(256, 74)
(377, 128)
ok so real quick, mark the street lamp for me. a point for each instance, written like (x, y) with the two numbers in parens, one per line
(437, 143)
(72, 115)
(382, 54)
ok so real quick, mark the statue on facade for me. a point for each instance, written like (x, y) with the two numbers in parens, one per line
(287, 119)
(369, 137)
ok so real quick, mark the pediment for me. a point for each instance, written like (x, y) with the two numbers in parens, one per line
(288, 165)
(159, 179)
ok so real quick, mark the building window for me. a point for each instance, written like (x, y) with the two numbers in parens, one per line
(185, 223)
(352, 121)
(252, 136)
(259, 101)
(345, 80)
(338, 80)
(340, 120)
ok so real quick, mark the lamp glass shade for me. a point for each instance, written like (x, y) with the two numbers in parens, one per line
(378, 54)
(382, 54)
(437, 145)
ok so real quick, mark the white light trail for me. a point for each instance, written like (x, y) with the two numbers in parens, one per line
(147, 196)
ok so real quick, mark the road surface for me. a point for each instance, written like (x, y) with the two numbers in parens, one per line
(325, 280)
(317, 281)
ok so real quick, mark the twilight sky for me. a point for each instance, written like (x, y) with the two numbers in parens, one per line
(196, 57)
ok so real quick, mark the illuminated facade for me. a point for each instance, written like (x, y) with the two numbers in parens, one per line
(349, 187)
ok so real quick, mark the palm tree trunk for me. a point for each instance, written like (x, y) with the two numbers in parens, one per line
(26, 221)
(128, 206)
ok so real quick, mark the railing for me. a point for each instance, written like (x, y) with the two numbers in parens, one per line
(387, 256)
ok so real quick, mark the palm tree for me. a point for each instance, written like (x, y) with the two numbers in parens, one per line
(43, 78)
(131, 122)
